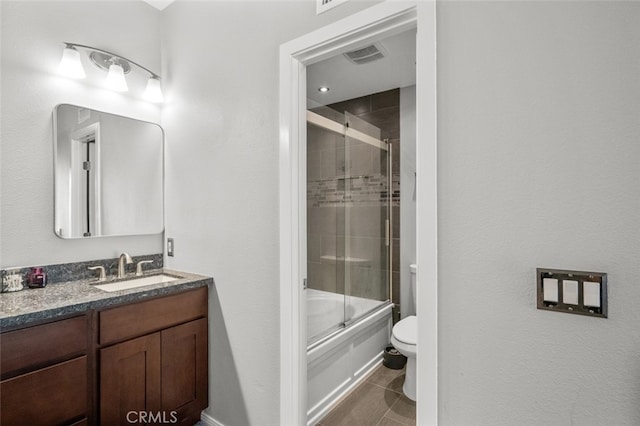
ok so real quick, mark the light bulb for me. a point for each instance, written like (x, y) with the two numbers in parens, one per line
(115, 78)
(70, 65)
(153, 92)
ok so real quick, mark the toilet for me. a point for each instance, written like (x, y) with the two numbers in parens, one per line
(403, 338)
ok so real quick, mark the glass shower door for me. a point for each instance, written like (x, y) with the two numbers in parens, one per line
(348, 233)
(325, 224)
(367, 219)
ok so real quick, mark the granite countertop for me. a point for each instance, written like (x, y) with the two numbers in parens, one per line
(61, 299)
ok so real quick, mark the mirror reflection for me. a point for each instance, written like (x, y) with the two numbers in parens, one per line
(108, 174)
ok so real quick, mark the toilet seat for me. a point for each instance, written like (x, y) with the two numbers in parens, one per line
(406, 330)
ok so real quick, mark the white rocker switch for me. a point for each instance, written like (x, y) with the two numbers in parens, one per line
(570, 292)
(591, 294)
(550, 288)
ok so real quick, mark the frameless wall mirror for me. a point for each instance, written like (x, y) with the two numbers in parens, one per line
(108, 174)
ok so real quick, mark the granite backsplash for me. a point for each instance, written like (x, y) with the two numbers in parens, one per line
(66, 272)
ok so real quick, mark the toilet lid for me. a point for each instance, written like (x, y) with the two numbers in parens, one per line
(406, 330)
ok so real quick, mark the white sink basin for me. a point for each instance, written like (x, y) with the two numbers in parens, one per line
(137, 282)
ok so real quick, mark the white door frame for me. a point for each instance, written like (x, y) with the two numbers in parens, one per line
(387, 18)
(91, 131)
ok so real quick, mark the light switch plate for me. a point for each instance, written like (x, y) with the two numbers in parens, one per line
(572, 292)
(170, 247)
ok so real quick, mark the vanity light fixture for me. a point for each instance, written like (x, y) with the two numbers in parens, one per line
(153, 91)
(115, 78)
(115, 65)
(70, 64)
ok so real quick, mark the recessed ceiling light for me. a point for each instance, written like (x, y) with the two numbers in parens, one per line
(323, 89)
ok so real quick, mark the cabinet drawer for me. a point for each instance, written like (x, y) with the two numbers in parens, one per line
(41, 345)
(139, 318)
(49, 396)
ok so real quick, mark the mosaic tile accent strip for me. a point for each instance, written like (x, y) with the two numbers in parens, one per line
(352, 191)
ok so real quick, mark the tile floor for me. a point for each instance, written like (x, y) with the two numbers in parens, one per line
(378, 401)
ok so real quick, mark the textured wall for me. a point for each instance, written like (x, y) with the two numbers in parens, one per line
(32, 37)
(539, 166)
(221, 118)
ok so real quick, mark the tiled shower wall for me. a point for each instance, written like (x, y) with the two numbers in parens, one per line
(347, 200)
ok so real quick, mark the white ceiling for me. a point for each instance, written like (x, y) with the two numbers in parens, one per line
(347, 80)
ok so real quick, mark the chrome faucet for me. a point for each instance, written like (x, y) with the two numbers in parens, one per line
(103, 275)
(124, 258)
(139, 267)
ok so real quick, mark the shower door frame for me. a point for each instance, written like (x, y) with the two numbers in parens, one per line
(384, 19)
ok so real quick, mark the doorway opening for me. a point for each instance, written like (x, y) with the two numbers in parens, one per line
(356, 102)
(377, 23)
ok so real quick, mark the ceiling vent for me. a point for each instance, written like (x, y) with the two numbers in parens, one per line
(366, 54)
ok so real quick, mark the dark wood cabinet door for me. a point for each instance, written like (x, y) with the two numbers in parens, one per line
(50, 396)
(185, 369)
(130, 380)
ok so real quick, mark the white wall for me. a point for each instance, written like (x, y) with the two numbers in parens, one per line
(32, 40)
(221, 119)
(539, 166)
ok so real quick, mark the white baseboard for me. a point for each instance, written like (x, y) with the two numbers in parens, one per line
(208, 420)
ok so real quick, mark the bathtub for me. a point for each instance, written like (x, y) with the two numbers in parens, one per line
(341, 360)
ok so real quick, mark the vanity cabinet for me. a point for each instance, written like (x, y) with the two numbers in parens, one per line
(153, 360)
(46, 374)
(143, 362)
